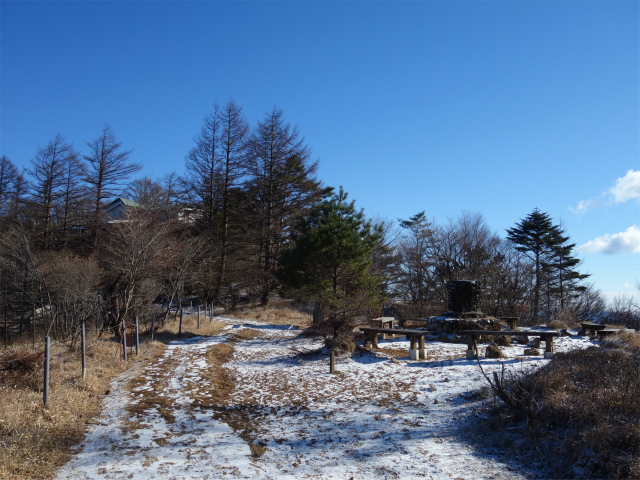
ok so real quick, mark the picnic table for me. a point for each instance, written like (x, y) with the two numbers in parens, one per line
(472, 339)
(414, 336)
(592, 328)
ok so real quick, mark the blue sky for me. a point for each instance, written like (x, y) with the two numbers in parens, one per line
(494, 107)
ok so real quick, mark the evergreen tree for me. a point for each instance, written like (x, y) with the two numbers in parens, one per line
(416, 251)
(329, 261)
(534, 236)
(564, 265)
(554, 266)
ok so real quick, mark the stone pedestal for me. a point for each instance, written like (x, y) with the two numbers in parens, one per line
(472, 354)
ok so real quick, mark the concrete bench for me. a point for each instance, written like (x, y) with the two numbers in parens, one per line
(382, 322)
(402, 321)
(414, 336)
(472, 339)
(591, 328)
(606, 332)
(511, 321)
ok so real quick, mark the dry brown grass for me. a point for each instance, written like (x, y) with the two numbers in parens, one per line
(281, 312)
(169, 331)
(583, 409)
(34, 440)
(557, 325)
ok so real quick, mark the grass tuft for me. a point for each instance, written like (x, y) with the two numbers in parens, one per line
(582, 410)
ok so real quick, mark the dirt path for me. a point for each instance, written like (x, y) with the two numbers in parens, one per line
(287, 417)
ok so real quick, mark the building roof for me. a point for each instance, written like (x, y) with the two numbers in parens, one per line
(126, 202)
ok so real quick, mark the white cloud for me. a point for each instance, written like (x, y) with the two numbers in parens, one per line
(623, 242)
(627, 187)
(585, 205)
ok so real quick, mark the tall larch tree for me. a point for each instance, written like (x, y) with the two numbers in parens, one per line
(47, 174)
(283, 183)
(108, 168)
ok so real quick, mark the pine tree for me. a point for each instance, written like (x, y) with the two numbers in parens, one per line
(534, 236)
(329, 261)
(564, 269)
(416, 250)
(551, 253)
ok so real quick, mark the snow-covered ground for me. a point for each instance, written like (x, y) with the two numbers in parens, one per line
(381, 416)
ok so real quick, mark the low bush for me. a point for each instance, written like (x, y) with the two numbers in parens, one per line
(21, 368)
(584, 406)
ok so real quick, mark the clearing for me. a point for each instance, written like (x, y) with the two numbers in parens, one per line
(257, 401)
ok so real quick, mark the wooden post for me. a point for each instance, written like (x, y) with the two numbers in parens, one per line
(83, 340)
(33, 311)
(332, 362)
(45, 394)
(153, 324)
(374, 342)
(6, 301)
(137, 338)
(180, 327)
(198, 317)
(124, 339)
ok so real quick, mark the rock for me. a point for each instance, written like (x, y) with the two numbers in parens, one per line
(522, 339)
(436, 401)
(395, 361)
(447, 380)
(502, 340)
(494, 352)
(564, 332)
(531, 351)
(535, 343)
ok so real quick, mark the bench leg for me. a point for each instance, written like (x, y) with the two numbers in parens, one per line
(548, 347)
(421, 349)
(374, 340)
(413, 352)
(472, 351)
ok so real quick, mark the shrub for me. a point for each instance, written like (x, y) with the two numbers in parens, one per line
(20, 367)
(586, 403)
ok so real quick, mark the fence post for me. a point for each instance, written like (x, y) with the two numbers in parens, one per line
(153, 324)
(84, 351)
(180, 327)
(198, 316)
(332, 362)
(45, 395)
(137, 338)
(6, 302)
(124, 339)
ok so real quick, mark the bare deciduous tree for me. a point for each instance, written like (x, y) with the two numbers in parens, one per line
(108, 168)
